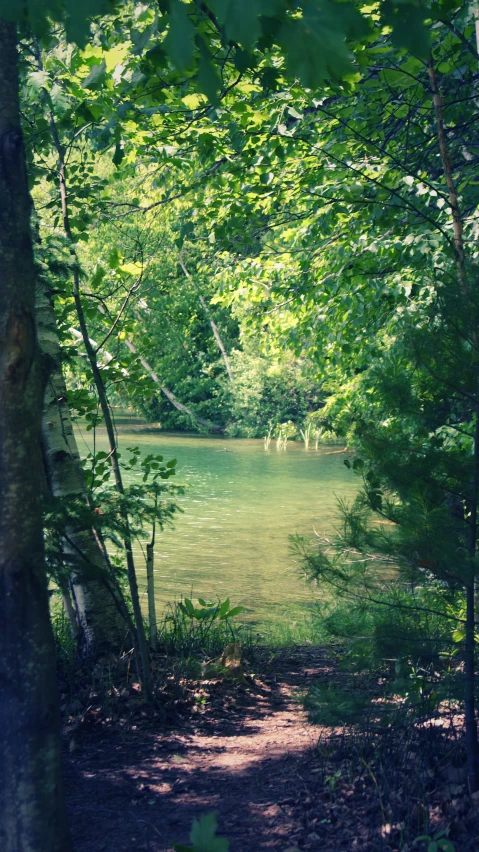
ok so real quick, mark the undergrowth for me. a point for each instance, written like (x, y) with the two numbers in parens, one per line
(188, 638)
(392, 718)
(404, 646)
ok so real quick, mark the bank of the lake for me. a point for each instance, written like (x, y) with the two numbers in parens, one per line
(240, 506)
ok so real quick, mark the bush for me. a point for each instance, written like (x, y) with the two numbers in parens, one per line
(266, 393)
(404, 640)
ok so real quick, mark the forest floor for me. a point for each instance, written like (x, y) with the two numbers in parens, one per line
(135, 781)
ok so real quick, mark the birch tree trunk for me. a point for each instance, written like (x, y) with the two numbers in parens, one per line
(207, 424)
(97, 602)
(107, 356)
(140, 643)
(32, 809)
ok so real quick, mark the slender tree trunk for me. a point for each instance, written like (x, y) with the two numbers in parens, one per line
(32, 809)
(140, 643)
(457, 223)
(472, 746)
(113, 457)
(214, 327)
(150, 579)
(98, 613)
(70, 611)
(207, 424)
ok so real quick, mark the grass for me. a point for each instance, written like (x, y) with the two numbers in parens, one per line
(287, 631)
(190, 641)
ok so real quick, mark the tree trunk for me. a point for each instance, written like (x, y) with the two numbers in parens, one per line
(214, 327)
(32, 810)
(472, 747)
(207, 424)
(140, 643)
(150, 579)
(101, 625)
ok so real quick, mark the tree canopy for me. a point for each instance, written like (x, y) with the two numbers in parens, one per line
(249, 217)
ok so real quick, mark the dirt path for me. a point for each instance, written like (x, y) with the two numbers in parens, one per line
(275, 782)
(250, 757)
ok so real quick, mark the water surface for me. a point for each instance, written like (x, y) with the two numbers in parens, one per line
(241, 504)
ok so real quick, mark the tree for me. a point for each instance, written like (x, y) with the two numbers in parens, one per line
(100, 616)
(385, 287)
(32, 810)
(314, 41)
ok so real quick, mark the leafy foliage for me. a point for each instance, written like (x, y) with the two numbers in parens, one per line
(290, 158)
(203, 837)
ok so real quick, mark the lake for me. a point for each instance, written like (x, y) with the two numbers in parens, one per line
(241, 504)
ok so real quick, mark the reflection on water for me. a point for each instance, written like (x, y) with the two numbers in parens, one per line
(240, 505)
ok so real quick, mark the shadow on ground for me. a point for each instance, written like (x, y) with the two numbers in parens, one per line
(275, 782)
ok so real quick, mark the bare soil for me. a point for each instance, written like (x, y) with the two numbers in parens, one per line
(249, 754)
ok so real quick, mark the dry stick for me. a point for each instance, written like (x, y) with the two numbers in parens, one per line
(105, 407)
(211, 321)
(472, 747)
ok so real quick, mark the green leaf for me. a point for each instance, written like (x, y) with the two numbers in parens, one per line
(118, 155)
(179, 43)
(96, 77)
(408, 26)
(203, 835)
(141, 39)
(239, 18)
(59, 99)
(114, 258)
(235, 611)
(446, 846)
(208, 78)
(36, 81)
(157, 56)
(78, 17)
(131, 268)
(224, 607)
(40, 13)
(315, 44)
(189, 607)
(266, 178)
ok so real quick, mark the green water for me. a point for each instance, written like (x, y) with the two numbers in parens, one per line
(240, 506)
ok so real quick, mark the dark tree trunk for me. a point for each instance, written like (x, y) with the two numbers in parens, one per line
(32, 811)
